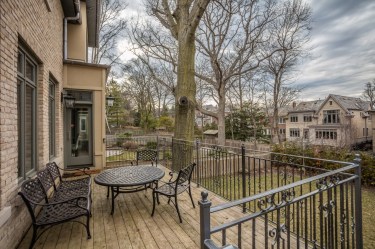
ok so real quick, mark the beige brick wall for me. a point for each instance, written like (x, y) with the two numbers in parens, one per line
(41, 31)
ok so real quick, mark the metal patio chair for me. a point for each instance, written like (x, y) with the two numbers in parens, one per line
(172, 189)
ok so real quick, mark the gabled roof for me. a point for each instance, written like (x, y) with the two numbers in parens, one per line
(308, 106)
(348, 103)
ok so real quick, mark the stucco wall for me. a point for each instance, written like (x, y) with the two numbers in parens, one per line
(77, 38)
(41, 31)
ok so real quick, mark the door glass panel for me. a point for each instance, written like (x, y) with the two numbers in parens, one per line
(19, 126)
(30, 71)
(20, 61)
(29, 128)
(80, 130)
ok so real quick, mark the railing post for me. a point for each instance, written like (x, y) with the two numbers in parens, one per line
(157, 150)
(358, 203)
(204, 210)
(243, 162)
(197, 162)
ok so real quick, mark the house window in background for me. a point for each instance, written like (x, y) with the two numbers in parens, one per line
(331, 117)
(307, 118)
(294, 119)
(26, 112)
(293, 132)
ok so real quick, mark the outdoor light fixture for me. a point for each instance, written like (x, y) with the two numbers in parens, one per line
(68, 99)
(110, 100)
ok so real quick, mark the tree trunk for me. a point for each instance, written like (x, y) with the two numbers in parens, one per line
(221, 118)
(186, 87)
(185, 112)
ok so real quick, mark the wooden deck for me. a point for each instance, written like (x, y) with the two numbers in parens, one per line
(132, 226)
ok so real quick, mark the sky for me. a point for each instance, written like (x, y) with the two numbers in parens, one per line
(343, 48)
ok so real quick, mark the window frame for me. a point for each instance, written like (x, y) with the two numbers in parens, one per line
(294, 132)
(307, 118)
(294, 119)
(52, 117)
(326, 134)
(331, 116)
(23, 82)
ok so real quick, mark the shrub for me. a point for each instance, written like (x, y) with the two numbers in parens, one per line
(129, 145)
(152, 145)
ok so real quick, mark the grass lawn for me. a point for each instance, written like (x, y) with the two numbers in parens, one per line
(368, 217)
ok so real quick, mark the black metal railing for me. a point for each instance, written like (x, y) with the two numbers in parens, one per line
(288, 201)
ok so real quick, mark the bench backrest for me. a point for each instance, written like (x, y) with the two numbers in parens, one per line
(32, 193)
(54, 171)
(46, 180)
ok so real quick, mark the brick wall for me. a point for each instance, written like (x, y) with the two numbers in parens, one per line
(41, 32)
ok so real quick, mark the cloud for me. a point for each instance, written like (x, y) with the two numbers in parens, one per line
(343, 38)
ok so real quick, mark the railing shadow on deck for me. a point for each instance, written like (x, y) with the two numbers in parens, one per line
(301, 202)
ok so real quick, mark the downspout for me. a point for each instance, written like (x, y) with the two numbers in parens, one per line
(66, 19)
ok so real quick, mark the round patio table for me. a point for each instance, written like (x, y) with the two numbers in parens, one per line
(128, 179)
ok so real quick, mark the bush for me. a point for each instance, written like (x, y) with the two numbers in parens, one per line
(129, 145)
(329, 153)
(152, 145)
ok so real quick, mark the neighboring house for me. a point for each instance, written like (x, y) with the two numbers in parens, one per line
(52, 101)
(336, 121)
(201, 119)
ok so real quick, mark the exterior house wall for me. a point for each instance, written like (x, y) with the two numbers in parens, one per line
(77, 38)
(30, 23)
(88, 77)
(301, 125)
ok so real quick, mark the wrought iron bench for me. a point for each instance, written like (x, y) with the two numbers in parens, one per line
(47, 212)
(64, 190)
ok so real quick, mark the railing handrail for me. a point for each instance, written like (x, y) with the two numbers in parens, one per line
(280, 189)
(259, 213)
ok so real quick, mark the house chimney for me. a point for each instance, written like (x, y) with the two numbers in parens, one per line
(294, 104)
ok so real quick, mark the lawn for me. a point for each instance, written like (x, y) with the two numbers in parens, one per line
(368, 217)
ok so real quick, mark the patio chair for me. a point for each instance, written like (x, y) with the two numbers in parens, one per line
(47, 213)
(147, 155)
(172, 189)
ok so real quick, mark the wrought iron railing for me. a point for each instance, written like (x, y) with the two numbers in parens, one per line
(288, 201)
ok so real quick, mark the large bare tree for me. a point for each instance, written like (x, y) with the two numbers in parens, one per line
(232, 39)
(292, 30)
(112, 26)
(182, 18)
(369, 93)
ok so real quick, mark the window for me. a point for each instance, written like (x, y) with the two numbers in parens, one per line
(326, 134)
(52, 118)
(293, 132)
(294, 119)
(306, 133)
(26, 113)
(330, 102)
(307, 118)
(281, 120)
(331, 117)
(282, 131)
(365, 132)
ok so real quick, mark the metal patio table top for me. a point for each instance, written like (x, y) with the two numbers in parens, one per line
(128, 179)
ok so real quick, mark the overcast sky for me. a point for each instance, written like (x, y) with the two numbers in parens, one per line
(343, 41)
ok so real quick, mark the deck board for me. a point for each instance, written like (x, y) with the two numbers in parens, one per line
(132, 227)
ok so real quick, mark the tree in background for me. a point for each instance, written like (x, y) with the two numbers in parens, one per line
(181, 19)
(112, 27)
(369, 92)
(118, 114)
(292, 30)
(247, 123)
